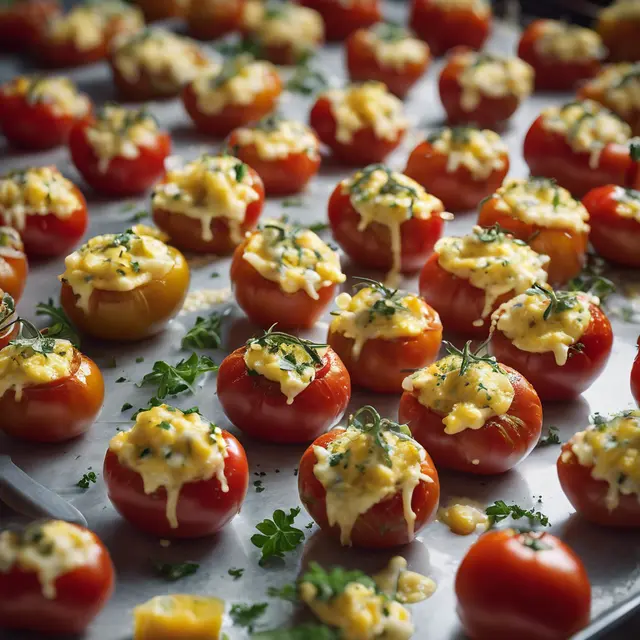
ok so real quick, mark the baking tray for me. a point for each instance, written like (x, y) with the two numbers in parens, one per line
(611, 557)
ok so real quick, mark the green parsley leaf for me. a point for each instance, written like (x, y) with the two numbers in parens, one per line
(595, 285)
(173, 572)
(61, 327)
(205, 333)
(500, 510)
(295, 201)
(559, 301)
(634, 151)
(332, 583)
(235, 573)
(470, 358)
(277, 536)
(552, 437)
(288, 592)
(86, 479)
(120, 380)
(246, 615)
(301, 632)
(318, 227)
(153, 402)
(139, 215)
(306, 80)
(140, 359)
(126, 406)
(174, 379)
(29, 337)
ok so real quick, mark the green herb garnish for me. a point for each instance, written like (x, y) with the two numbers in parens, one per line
(173, 572)
(61, 327)
(246, 615)
(205, 333)
(87, 478)
(277, 535)
(552, 437)
(559, 301)
(174, 379)
(235, 573)
(500, 511)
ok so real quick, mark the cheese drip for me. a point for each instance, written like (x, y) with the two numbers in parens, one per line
(275, 139)
(462, 516)
(398, 583)
(569, 43)
(169, 449)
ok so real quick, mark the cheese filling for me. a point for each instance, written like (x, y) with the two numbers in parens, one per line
(294, 257)
(57, 92)
(480, 8)
(569, 43)
(612, 449)
(392, 46)
(628, 203)
(541, 202)
(587, 126)
(466, 400)
(50, 550)
(357, 473)
(621, 9)
(115, 262)
(376, 313)
(276, 139)
(620, 86)
(287, 25)
(389, 198)
(36, 192)
(462, 516)
(170, 448)
(252, 15)
(522, 320)
(481, 151)
(119, 132)
(367, 105)
(492, 261)
(208, 188)
(492, 76)
(402, 585)
(237, 83)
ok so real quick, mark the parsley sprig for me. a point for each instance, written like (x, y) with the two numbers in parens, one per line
(29, 337)
(388, 304)
(246, 615)
(173, 572)
(205, 333)
(500, 510)
(277, 535)
(559, 301)
(552, 437)
(87, 479)
(61, 326)
(332, 583)
(174, 379)
(470, 358)
(306, 80)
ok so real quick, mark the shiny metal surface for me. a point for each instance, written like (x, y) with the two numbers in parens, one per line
(612, 558)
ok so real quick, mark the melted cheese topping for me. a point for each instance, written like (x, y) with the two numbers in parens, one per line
(628, 203)
(115, 262)
(466, 401)
(492, 76)
(237, 83)
(289, 365)
(494, 262)
(366, 105)
(481, 151)
(23, 367)
(587, 126)
(389, 198)
(462, 516)
(36, 192)
(542, 203)
(621, 9)
(355, 477)
(398, 583)
(119, 132)
(58, 92)
(370, 315)
(180, 616)
(612, 449)
(481, 8)
(619, 85)
(169, 60)
(569, 43)
(275, 139)
(289, 25)
(393, 47)
(207, 188)
(169, 448)
(50, 550)
(521, 319)
(296, 258)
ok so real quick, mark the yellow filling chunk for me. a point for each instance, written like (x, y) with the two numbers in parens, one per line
(462, 517)
(569, 43)
(59, 92)
(392, 46)
(398, 583)
(275, 138)
(620, 84)
(293, 26)
(628, 203)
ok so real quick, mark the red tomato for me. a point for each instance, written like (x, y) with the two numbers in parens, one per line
(80, 595)
(266, 303)
(34, 125)
(588, 494)
(123, 176)
(383, 525)
(55, 411)
(364, 147)
(539, 588)
(232, 116)
(498, 446)
(22, 23)
(619, 35)
(553, 74)
(127, 316)
(459, 190)
(383, 363)
(371, 248)
(635, 377)
(363, 65)
(258, 407)
(549, 154)
(281, 176)
(208, 20)
(343, 18)
(613, 236)
(13, 263)
(445, 28)
(161, 9)
(186, 232)
(203, 508)
(554, 382)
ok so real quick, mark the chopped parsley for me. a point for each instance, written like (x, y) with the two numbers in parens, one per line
(173, 572)
(87, 479)
(126, 406)
(559, 301)
(246, 615)
(277, 536)
(552, 437)
(205, 333)
(236, 574)
(469, 359)
(61, 327)
(174, 379)
(500, 510)
(306, 80)
(390, 302)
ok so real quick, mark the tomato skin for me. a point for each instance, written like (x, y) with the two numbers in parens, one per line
(205, 21)
(596, 92)
(444, 29)
(258, 408)
(553, 74)
(160, 9)
(383, 525)
(232, 116)
(55, 411)
(635, 377)
(371, 248)
(124, 176)
(532, 594)
(341, 21)
(80, 595)
(13, 271)
(566, 248)
(203, 508)
(458, 190)
(364, 148)
(554, 382)
(22, 23)
(620, 37)
(65, 55)
(383, 363)
(280, 176)
(498, 446)
(362, 65)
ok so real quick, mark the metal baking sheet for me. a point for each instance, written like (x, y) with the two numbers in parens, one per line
(612, 558)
